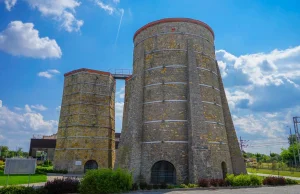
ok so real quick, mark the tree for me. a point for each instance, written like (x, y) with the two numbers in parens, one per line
(288, 154)
(292, 139)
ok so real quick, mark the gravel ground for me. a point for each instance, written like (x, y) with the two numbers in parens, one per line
(261, 190)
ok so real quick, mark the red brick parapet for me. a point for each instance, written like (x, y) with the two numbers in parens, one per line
(86, 70)
(166, 20)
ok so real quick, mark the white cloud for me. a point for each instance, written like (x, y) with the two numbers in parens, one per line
(1, 137)
(19, 127)
(59, 10)
(0, 103)
(119, 110)
(121, 93)
(27, 108)
(116, 1)
(21, 39)
(10, 4)
(108, 8)
(39, 107)
(237, 96)
(49, 73)
(263, 69)
(18, 108)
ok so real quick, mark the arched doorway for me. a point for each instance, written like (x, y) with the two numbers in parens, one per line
(163, 172)
(224, 169)
(89, 165)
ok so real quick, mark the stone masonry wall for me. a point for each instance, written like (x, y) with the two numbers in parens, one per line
(174, 109)
(86, 128)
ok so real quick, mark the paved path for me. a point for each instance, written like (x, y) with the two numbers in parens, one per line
(261, 190)
(290, 177)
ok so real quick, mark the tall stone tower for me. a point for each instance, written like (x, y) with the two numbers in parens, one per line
(86, 131)
(177, 124)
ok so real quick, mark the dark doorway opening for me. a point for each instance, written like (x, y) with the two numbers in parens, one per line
(163, 172)
(90, 165)
(224, 169)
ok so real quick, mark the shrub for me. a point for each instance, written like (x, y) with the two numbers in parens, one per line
(143, 185)
(243, 180)
(183, 186)
(149, 187)
(134, 187)
(171, 187)
(291, 181)
(203, 182)
(274, 181)
(222, 183)
(2, 163)
(106, 181)
(163, 186)
(41, 170)
(229, 179)
(58, 186)
(47, 163)
(192, 185)
(17, 190)
(255, 180)
(214, 182)
(2, 168)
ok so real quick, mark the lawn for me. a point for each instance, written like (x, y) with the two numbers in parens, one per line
(275, 172)
(21, 179)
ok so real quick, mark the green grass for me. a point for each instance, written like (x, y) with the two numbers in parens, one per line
(21, 179)
(275, 172)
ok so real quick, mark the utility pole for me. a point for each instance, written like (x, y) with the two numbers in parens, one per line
(296, 120)
(292, 142)
(243, 144)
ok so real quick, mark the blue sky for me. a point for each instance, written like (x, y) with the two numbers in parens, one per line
(257, 46)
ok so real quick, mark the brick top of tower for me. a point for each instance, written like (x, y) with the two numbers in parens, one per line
(86, 70)
(166, 20)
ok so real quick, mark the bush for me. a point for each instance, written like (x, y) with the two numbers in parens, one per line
(183, 186)
(47, 163)
(106, 181)
(222, 183)
(2, 163)
(274, 181)
(2, 168)
(192, 185)
(143, 185)
(229, 179)
(291, 181)
(58, 186)
(17, 190)
(171, 187)
(41, 170)
(203, 183)
(243, 180)
(214, 182)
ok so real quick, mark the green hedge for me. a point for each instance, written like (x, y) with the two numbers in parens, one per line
(41, 170)
(21, 190)
(106, 181)
(244, 180)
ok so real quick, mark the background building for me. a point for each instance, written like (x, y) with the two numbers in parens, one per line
(177, 124)
(47, 145)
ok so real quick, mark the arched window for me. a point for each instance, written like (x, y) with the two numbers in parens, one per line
(163, 172)
(224, 169)
(89, 165)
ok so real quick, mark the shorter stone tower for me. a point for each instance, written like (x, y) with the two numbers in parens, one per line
(86, 131)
